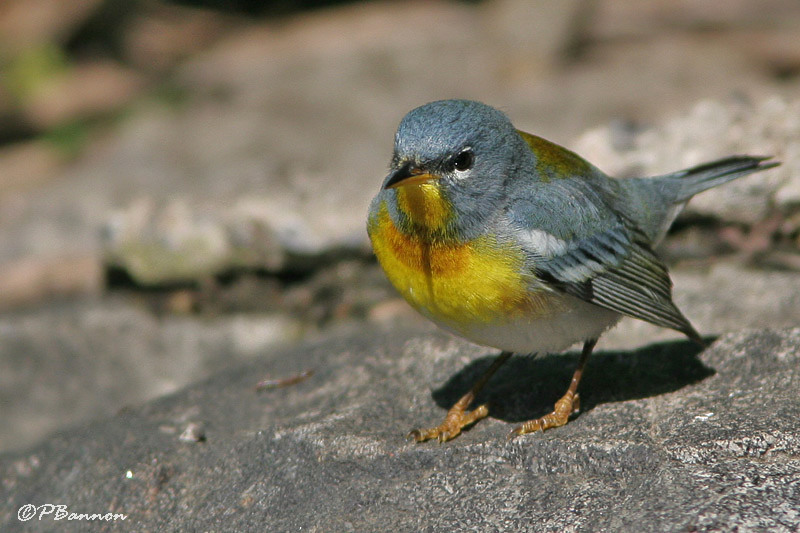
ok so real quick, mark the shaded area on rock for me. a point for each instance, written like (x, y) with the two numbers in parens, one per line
(526, 387)
(328, 454)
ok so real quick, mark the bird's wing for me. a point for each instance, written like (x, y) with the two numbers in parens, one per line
(615, 269)
(569, 223)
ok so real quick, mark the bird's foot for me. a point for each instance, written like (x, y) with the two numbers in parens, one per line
(457, 419)
(566, 406)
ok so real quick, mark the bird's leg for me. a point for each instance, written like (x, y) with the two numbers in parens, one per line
(568, 404)
(458, 417)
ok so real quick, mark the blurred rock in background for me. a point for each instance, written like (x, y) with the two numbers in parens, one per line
(190, 173)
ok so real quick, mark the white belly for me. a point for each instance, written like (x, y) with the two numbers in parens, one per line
(577, 322)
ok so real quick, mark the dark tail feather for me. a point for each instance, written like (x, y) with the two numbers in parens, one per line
(697, 179)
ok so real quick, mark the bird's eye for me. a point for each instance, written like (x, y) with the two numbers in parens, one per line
(464, 160)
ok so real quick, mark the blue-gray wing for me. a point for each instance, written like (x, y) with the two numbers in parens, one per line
(615, 269)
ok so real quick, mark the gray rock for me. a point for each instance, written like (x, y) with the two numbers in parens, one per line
(80, 360)
(713, 130)
(669, 440)
(193, 235)
(74, 362)
(284, 132)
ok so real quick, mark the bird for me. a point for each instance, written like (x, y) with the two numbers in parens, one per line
(518, 244)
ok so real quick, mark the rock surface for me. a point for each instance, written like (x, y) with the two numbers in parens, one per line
(202, 207)
(712, 130)
(76, 361)
(669, 440)
(280, 126)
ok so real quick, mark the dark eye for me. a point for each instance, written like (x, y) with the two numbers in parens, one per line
(464, 160)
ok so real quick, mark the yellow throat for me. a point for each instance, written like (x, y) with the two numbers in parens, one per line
(456, 283)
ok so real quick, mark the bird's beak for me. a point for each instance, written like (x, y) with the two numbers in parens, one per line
(408, 175)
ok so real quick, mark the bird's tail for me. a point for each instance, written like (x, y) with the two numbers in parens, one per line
(663, 197)
(697, 179)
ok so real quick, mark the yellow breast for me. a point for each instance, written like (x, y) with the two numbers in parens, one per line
(456, 284)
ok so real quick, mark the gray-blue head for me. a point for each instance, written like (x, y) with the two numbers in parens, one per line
(465, 149)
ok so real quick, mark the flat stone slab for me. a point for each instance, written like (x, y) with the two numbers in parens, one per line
(670, 438)
(75, 361)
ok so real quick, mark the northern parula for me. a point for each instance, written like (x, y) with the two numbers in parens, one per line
(516, 243)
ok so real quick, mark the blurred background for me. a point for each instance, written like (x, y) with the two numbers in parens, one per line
(183, 185)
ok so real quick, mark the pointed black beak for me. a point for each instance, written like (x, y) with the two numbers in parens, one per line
(398, 175)
(406, 175)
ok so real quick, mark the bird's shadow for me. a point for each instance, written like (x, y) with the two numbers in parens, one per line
(527, 387)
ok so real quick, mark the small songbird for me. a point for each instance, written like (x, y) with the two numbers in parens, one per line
(518, 244)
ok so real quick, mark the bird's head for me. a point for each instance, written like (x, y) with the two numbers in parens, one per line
(451, 163)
